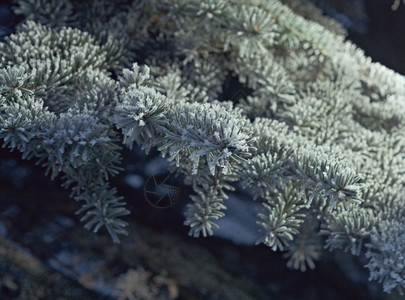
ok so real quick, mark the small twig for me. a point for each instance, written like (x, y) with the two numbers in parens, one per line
(396, 4)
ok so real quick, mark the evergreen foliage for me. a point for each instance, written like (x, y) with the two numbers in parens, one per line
(318, 141)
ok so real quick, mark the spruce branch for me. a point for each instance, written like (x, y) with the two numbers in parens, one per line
(347, 227)
(284, 215)
(386, 255)
(318, 137)
(206, 207)
(207, 130)
(306, 248)
(324, 178)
